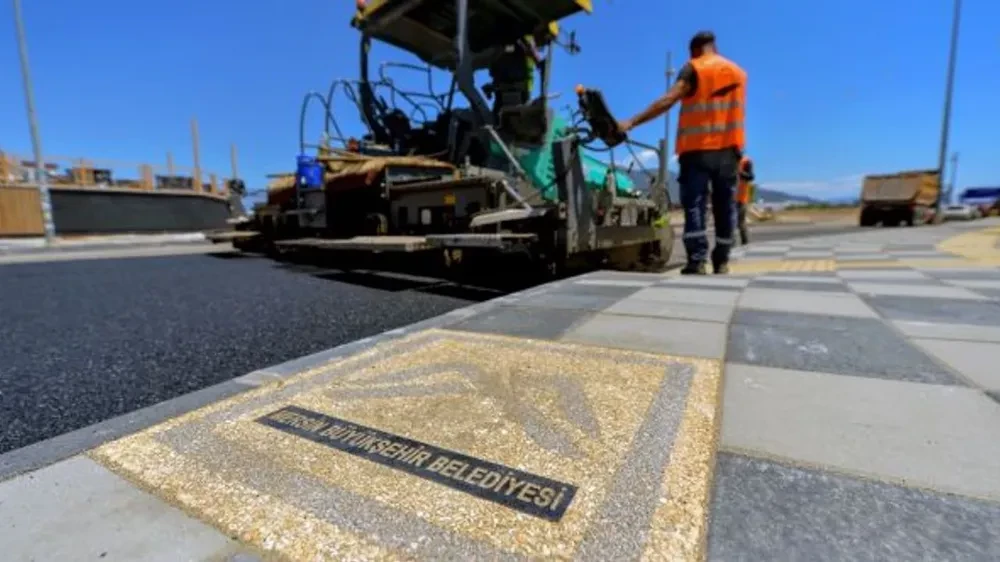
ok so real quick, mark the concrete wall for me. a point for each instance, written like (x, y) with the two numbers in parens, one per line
(107, 211)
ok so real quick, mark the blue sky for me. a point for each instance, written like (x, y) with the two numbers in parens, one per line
(837, 89)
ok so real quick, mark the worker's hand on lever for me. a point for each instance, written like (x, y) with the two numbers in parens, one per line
(625, 126)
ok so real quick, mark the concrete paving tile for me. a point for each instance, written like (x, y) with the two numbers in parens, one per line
(809, 254)
(805, 302)
(78, 510)
(921, 254)
(677, 310)
(861, 257)
(962, 273)
(685, 295)
(624, 276)
(945, 311)
(978, 361)
(809, 285)
(913, 290)
(992, 294)
(657, 335)
(943, 331)
(615, 282)
(829, 344)
(769, 249)
(541, 323)
(596, 290)
(976, 283)
(725, 282)
(802, 277)
(930, 436)
(881, 274)
(910, 248)
(763, 510)
(561, 299)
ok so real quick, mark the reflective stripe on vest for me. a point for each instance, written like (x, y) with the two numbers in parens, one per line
(712, 118)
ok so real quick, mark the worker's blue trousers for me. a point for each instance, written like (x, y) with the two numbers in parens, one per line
(697, 184)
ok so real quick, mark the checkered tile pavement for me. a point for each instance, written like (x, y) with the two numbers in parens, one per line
(861, 404)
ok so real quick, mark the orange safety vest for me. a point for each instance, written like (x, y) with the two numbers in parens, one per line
(743, 189)
(712, 118)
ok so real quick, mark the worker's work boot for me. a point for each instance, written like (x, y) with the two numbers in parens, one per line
(694, 269)
(721, 268)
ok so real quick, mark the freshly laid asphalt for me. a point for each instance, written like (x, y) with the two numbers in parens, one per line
(82, 341)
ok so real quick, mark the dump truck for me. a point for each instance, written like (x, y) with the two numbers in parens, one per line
(907, 197)
(463, 182)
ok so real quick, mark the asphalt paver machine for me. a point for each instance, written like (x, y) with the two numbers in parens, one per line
(470, 183)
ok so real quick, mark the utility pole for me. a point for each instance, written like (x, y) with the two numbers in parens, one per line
(954, 173)
(946, 120)
(666, 116)
(36, 143)
(665, 143)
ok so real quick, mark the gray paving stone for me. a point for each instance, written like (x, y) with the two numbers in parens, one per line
(941, 331)
(976, 283)
(930, 436)
(913, 290)
(809, 254)
(802, 277)
(676, 310)
(597, 290)
(657, 335)
(962, 273)
(945, 311)
(687, 295)
(919, 254)
(880, 274)
(763, 510)
(799, 286)
(78, 510)
(978, 361)
(706, 281)
(861, 257)
(910, 248)
(614, 282)
(541, 323)
(805, 302)
(829, 344)
(992, 294)
(622, 276)
(569, 300)
(732, 288)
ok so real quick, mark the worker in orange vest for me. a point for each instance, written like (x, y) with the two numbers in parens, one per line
(743, 198)
(710, 141)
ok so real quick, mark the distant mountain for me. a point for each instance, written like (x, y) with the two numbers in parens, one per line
(642, 182)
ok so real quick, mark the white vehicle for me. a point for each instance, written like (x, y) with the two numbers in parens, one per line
(960, 212)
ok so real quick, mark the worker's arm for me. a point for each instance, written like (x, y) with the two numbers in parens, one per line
(681, 88)
(746, 171)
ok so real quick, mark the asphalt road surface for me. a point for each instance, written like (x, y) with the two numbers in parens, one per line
(84, 341)
(85, 338)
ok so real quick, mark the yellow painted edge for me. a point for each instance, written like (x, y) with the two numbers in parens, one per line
(679, 529)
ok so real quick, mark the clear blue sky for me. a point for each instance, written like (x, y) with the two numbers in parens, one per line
(837, 89)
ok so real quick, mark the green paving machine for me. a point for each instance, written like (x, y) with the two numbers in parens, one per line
(464, 183)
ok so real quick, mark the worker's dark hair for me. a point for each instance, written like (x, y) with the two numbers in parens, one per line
(699, 41)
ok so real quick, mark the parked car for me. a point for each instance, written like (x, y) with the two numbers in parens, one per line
(961, 213)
